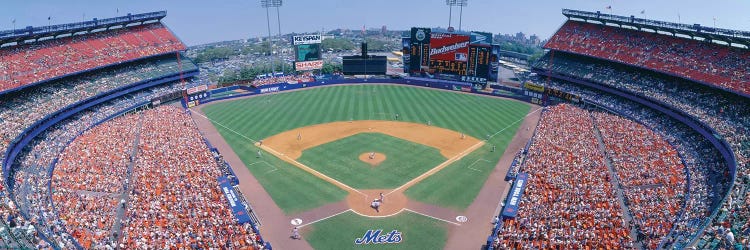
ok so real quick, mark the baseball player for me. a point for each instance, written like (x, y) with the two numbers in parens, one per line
(493, 148)
(299, 136)
(381, 197)
(295, 233)
(463, 136)
(258, 154)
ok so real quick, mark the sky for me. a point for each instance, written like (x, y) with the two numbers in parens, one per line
(205, 21)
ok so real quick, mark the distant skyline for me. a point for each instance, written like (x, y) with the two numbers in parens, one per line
(199, 22)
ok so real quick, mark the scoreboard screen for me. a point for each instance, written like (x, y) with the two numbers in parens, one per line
(308, 52)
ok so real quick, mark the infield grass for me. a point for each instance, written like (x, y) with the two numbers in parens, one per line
(339, 232)
(339, 159)
(456, 186)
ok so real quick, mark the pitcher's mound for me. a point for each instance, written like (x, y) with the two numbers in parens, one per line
(375, 161)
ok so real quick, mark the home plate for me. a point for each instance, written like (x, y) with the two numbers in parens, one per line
(296, 221)
(462, 218)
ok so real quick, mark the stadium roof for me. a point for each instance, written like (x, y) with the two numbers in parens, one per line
(695, 30)
(34, 33)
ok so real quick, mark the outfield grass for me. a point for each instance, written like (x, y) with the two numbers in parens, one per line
(455, 186)
(339, 232)
(339, 159)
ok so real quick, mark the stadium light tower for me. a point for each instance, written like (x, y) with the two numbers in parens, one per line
(459, 3)
(271, 4)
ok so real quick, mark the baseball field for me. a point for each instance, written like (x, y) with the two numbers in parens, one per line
(324, 155)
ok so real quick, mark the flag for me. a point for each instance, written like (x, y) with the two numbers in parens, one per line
(643, 12)
(14, 21)
(118, 10)
(49, 18)
(363, 29)
(609, 7)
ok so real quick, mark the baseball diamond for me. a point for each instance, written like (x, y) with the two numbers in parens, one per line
(433, 171)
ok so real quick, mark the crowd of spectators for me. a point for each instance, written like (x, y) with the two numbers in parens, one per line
(176, 201)
(32, 168)
(707, 62)
(89, 178)
(19, 111)
(26, 64)
(570, 201)
(649, 171)
(706, 169)
(307, 77)
(724, 112)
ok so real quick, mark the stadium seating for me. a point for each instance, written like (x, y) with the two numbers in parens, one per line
(282, 79)
(27, 64)
(650, 171)
(20, 111)
(570, 201)
(171, 158)
(703, 161)
(714, 64)
(176, 201)
(32, 179)
(722, 111)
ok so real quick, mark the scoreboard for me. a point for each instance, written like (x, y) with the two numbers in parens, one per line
(448, 55)
(307, 52)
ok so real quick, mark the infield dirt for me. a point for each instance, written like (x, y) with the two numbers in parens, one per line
(289, 146)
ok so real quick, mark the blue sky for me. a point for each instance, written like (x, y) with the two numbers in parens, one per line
(202, 21)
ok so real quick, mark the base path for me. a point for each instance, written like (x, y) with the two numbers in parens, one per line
(291, 143)
(288, 146)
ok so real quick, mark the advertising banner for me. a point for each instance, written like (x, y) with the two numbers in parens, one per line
(449, 47)
(481, 38)
(534, 87)
(514, 199)
(307, 39)
(238, 209)
(311, 65)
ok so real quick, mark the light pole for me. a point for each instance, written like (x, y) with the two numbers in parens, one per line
(271, 4)
(459, 3)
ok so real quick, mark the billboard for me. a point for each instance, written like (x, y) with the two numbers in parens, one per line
(481, 37)
(307, 52)
(309, 65)
(449, 47)
(307, 39)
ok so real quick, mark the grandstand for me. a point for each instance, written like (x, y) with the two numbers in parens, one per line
(688, 84)
(67, 182)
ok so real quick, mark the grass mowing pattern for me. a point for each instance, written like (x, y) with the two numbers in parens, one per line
(339, 159)
(263, 116)
(339, 232)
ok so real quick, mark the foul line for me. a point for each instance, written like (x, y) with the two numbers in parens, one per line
(519, 120)
(436, 218)
(475, 162)
(222, 125)
(294, 162)
(325, 218)
(439, 167)
(308, 169)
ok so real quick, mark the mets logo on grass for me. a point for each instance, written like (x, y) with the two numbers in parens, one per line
(378, 237)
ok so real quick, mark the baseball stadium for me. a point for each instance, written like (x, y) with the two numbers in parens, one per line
(624, 133)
